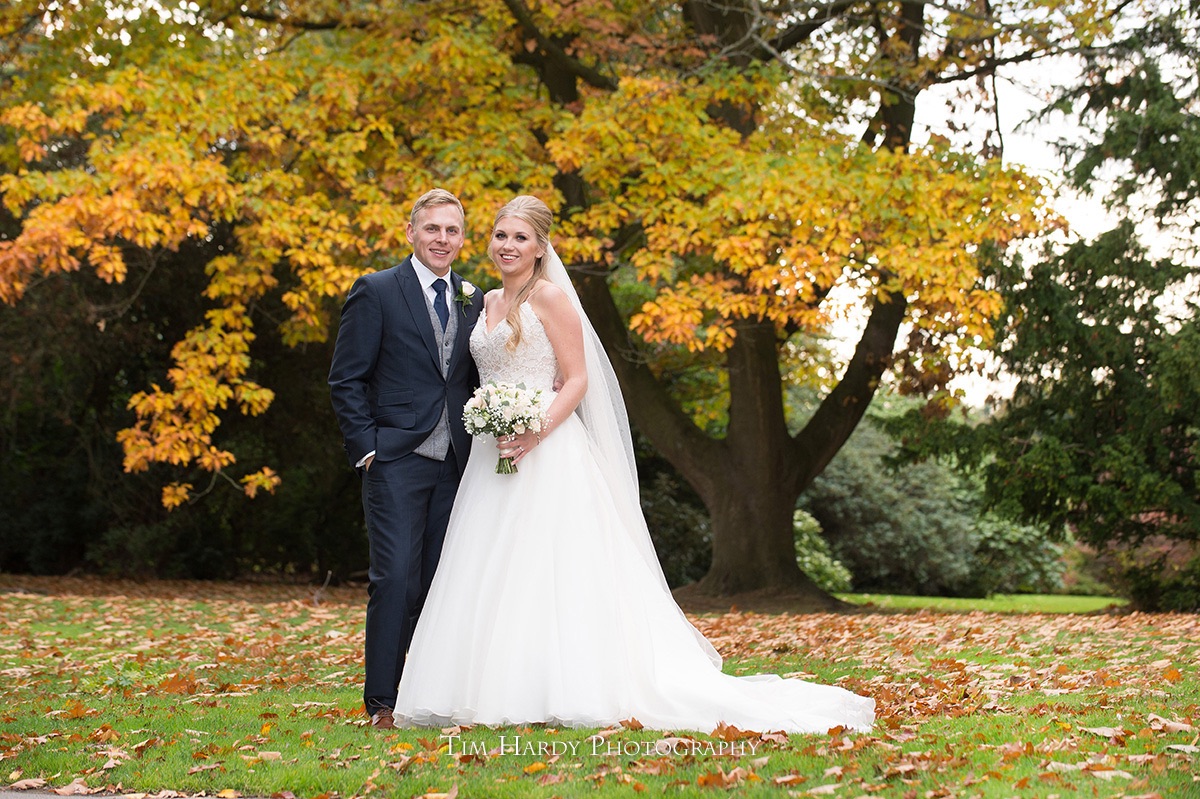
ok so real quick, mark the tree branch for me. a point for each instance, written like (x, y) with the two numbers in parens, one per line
(801, 31)
(837, 416)
(298, 23)
(556, 55)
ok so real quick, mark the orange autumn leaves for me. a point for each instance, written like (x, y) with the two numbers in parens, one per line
(766, 226)
(302, 154)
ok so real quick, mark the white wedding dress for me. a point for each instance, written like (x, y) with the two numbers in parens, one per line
(546, 608)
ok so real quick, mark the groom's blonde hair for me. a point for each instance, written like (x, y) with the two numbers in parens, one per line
(530, 209)
(432, 199)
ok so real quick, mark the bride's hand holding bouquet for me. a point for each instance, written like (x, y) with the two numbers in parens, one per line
(505, 409)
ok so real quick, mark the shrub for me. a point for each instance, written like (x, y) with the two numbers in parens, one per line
(679, 526)
(920, 528)
(1084, 572)
(1159, 574)
(813, 555)
(1013, 558)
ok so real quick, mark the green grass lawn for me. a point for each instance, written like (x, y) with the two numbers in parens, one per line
(241, 691)
(998, 603)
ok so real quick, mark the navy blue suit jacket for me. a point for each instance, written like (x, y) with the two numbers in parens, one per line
(385, 380)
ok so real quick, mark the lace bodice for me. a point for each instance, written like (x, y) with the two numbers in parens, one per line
(532, 363)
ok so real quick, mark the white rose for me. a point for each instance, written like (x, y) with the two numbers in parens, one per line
(468, 290)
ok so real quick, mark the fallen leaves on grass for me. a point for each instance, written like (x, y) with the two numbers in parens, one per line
(726, 779)
(208, 646)
(28, 785)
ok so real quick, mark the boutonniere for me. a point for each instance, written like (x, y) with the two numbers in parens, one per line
(465, 292)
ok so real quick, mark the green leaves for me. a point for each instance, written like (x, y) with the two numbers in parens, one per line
(1140, 98)
(1101, 432)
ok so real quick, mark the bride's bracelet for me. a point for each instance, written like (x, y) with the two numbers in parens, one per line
(546, 426)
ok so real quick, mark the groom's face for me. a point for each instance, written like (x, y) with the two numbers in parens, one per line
(436, 237)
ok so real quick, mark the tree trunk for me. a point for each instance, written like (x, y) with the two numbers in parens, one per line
(751, 479)
(750, 492)
(753, 546)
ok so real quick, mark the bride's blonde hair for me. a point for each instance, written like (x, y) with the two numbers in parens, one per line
(532, 210)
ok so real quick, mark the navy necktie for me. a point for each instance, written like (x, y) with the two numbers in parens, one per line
(439, 302)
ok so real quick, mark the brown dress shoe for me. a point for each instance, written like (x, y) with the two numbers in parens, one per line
(382, 719)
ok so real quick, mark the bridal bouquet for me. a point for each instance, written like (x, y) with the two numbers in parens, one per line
(504, 409)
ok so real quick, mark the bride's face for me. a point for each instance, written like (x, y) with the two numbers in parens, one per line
(514, 248)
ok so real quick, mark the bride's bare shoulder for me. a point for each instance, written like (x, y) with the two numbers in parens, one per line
(544, 288)
(489, 299)
(553, 307)
(547, 298)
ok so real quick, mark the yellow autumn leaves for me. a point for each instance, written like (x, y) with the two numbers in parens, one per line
(767, 225)
(300, 156)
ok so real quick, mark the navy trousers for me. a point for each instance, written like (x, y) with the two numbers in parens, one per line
(407, 503)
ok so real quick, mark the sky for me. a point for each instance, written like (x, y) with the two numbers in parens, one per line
(1027, 144)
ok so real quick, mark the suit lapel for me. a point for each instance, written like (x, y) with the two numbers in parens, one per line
(465, 321)
(414, 295)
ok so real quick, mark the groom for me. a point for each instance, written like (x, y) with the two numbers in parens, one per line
(400, 375)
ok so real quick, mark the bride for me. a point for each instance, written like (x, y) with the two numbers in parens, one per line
(549, 604)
